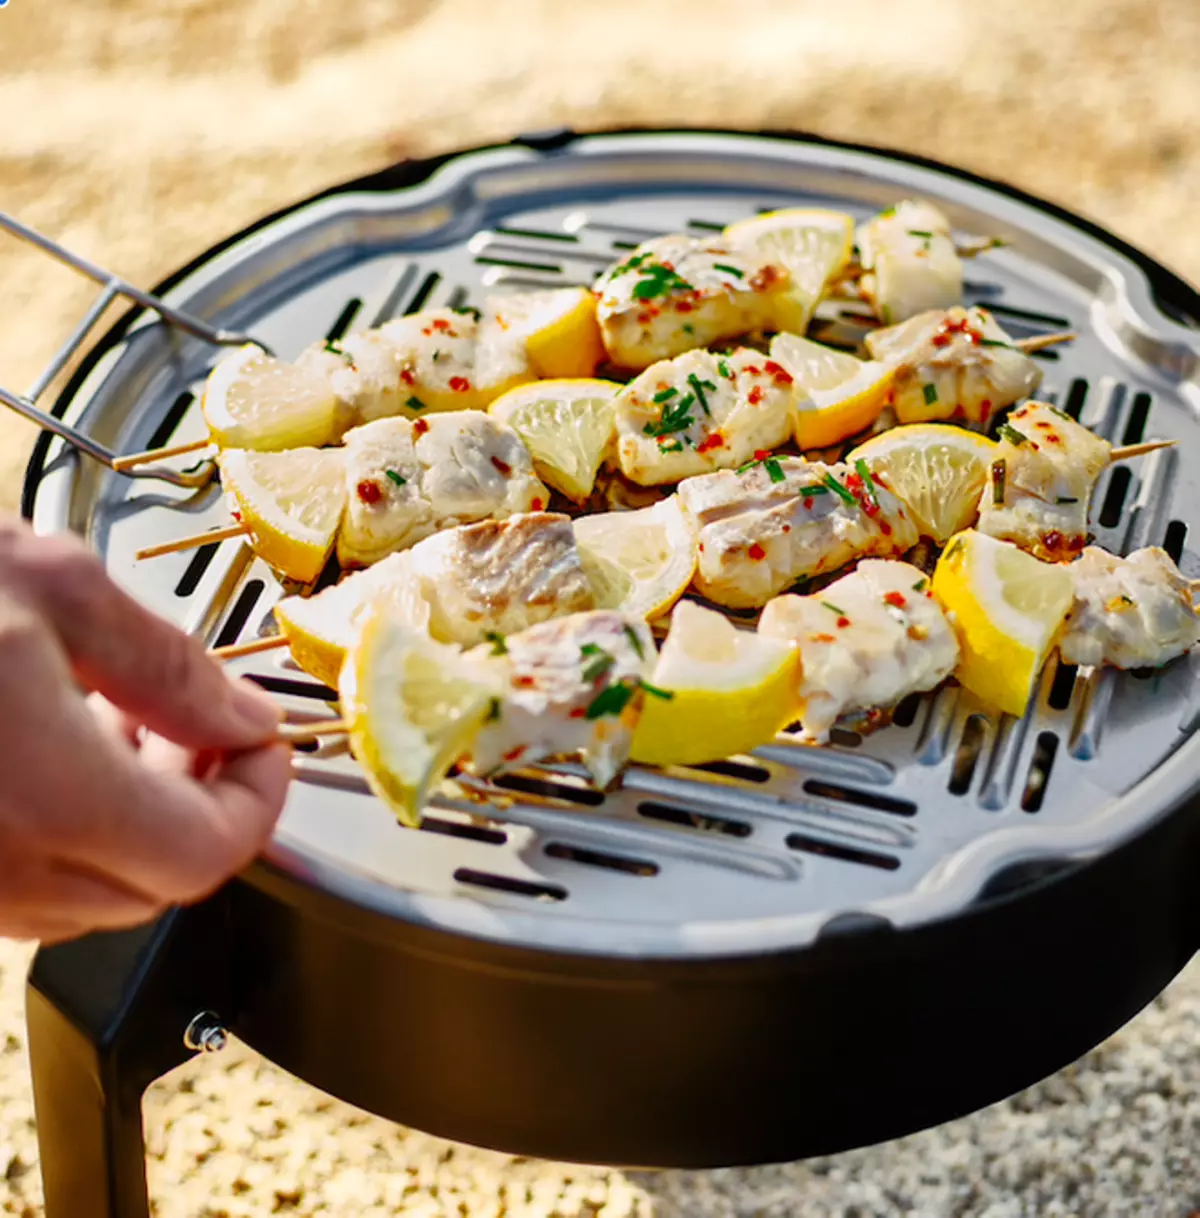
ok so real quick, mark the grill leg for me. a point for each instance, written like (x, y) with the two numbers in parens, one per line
(106, 1017)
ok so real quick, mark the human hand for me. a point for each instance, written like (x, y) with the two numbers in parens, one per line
(133, 773)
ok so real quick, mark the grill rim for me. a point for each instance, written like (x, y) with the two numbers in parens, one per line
(1169, 293)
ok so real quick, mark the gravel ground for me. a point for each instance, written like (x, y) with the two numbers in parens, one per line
(140, 131)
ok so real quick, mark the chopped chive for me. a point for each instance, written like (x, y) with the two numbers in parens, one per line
(397, 478)
(864, 473)
(1125, 600)
(676, 416)
(931, 394)
(1062, 414)
(493, 710)
(887, 213)
(1065, 499)
(1008, 432)
(774, 469)
(676, 446)
(665, 694)
(499, 646)
(688, 329)
(917, 232)
(729, 270)
(806, 491)
(634, 641)
(437, 355)
(953, 548)
(468, 311)
(611, 700)
(599, 661)
(999, 481)
(834, 609)
(919, 586)
(658, 281)
(839, 490)
(698, 387)
(665, 395)
(415, 404)
(724, 369)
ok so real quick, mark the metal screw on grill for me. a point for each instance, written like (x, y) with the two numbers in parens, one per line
(206, 1033)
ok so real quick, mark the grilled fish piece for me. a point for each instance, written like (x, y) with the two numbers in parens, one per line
(866, 641)
(910, 262)
(951, 363)
(572, 686)
(1133, 612)
(675, 293)
(1040, 485)
(700, 412)
(408, 479)
(363, 370)
(785, 520)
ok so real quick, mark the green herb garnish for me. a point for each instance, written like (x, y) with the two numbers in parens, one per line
(724, 369)
(658, 281)
(999, 481)
(919, 586)
(468, 311)
(698, 387)
(676, 446)
(415, 404)
(729, 270)
(839, 490)
(860, 467)
(665, 395)
(437, 355)
(770, 464)
(335, 348)
(834, 609)
(493, 711)
(806, 491)
(630, 264)
(615, 698)
(917, 232)
(499, 646)
(1006, 431)
(676, 416)
(597, 661)
(396, 477)
(634, 641)
(931, 394)
(665, 694)
(688, 329)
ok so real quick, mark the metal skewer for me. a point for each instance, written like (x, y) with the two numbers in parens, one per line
(112, 286)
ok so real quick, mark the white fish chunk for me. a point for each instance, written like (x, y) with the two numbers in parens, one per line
(910, 262)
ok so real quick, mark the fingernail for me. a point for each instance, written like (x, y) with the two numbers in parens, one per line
(257, 711)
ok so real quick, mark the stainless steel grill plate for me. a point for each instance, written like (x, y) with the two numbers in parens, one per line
(911, 823)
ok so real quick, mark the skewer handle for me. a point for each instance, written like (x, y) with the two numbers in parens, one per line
(1139, 450)
(132, 460)
(234, 650)
(193, 542)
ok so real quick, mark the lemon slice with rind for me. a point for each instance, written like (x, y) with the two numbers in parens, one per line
(838, 395)
(413, 707)
(1008, 610)
(568, 427)
(814, 244)
(252, 400)
(638, 562)
(562, 336)
(937, 471)
(731, 690)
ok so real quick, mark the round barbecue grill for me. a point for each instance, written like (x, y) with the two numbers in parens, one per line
(781, 955)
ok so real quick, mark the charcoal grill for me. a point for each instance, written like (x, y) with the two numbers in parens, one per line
(786, 954)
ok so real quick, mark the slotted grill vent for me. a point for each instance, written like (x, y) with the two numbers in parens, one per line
(863, 821)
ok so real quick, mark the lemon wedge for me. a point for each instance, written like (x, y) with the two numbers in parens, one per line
(1008, 610)
(412, 706)
(320, 629)
(291, 502)
(839, 395)
(641, 562)
(937, 471)
(252, 400)
(559, 327)
(813, 243)
(731, 690)
(568, 427)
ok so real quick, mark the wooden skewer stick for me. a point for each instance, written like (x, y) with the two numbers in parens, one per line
(972, 249)
(234, 650)
(295, 732)
(193, 542)
(158, 454)
(1038, 341)
(1139, 450)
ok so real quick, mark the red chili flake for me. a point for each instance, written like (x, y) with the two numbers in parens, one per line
(756, 552)
(500, 322)
(441, 324)
(823, 638)
(670, 266)
(513, 754)
(843, 622)
(578, 712)
(755, 395)
(764, 277)
(895, 599)
(643, 318)
(502, 466)
(1043, 425)
(885, 528)
(523, 682)
(459, 384)
(807, 506)
(407, 376)
(780, 373)
(941, 340)
(787, 528)
(427, 331)
(1052, 438)
(986, 404)
(537, 505)
(683, 306)
(752, 370)
(761, 454)
(716, 440)
(368, 491)
(420, 427)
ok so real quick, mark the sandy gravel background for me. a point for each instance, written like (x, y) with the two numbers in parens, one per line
(139, 131)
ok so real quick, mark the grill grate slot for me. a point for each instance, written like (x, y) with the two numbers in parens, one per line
(468, 832)
(536, 234)
(289, 687)
(1177, 532)
(171, 420)
(1044, 753)
(1114, 500)
(193, 573)
(1062, 690)
(344, 318)
(863, 799)
(843, 853)
(239, 615)
(734, 769)
(423, 293)
(707, 822)
(1031, 317)
(529, 784)
(905, 714)
(1076, 396)
(966, 757)
(510, 884)
(599, 858)
(1135, 425)
(520, 264)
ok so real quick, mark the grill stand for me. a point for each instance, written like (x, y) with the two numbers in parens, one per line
(106, 1017)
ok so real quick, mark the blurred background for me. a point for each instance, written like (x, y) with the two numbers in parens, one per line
(138, 132)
